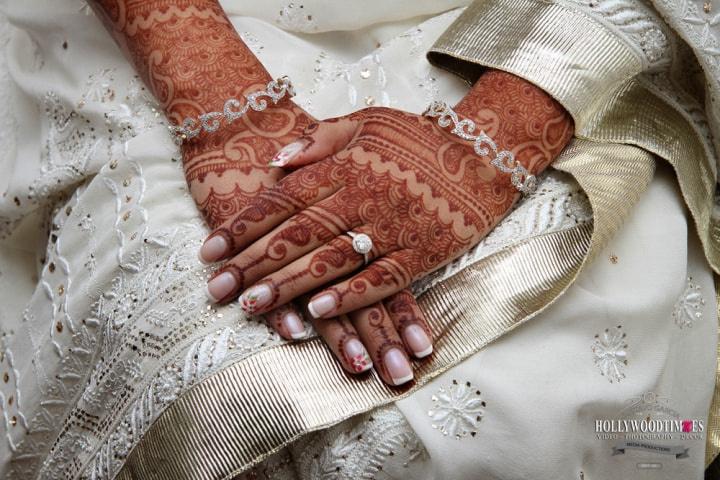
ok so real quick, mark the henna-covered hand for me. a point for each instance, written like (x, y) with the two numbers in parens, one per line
(422, 195)
(193, 60)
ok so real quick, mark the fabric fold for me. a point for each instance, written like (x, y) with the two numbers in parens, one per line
(569, 55)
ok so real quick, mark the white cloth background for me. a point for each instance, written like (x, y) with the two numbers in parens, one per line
(94, 172)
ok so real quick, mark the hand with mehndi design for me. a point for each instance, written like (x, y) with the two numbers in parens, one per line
(422, 195)
(193, 60)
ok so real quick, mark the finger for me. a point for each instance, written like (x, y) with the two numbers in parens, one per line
(268, 209)
(410, 323)
(329, 262)
(319, 140)
(306, 231)
(379, 336)
(382, 278)
(336, 259)
(287, 322)
(344, 341)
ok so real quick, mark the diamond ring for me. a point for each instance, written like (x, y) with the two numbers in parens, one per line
(362, 244)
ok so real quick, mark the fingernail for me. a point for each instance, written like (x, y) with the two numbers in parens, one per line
(294, 325)
(221, 286)
(357, 356)
(286, 154)
(321, 305)
(213, 249)
(255, 298)
(418, 341)
(398, 366)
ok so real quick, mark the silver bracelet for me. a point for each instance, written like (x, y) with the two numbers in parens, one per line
(233, 109)
(482, 144)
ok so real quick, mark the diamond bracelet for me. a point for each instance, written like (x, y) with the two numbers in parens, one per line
(482, 144)
(233, 110)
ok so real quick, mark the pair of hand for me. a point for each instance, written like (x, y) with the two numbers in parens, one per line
(420, 193)
(230, 178)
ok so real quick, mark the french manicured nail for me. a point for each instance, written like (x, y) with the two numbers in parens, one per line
(322, 305)
(255, 298)
(418, 341)
(213, 249)
(294, 325)
(398, 366)
(286, 154)
(221, 286)
(357, 356)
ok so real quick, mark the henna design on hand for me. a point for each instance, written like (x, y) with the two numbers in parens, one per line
(193, 60)
(405, 312)
(422, 194)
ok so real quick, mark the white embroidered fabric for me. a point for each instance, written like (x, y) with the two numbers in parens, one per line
(103, 319)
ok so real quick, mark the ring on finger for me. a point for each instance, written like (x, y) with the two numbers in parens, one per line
(362, 244)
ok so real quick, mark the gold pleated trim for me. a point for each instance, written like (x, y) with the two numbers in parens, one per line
(566, 53)
(246, 412)
(712, 442)
(614, 176)
(250, 410)
(635, 115)
(593, 74)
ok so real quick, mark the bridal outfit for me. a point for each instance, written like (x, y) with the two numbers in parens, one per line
(594, 299)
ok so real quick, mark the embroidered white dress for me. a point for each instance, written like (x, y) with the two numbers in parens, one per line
(104, 321)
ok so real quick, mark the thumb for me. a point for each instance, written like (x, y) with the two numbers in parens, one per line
(319, 140)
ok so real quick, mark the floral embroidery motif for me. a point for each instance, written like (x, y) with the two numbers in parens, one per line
(366, 80)
(379, 444)
(637, 22)
(578, 208)
(99, 87)
(688, 307)
(458, 410)
(610, 353)
(294, 17)
(653, 43)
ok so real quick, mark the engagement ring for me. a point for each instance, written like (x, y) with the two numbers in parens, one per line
(362, 244)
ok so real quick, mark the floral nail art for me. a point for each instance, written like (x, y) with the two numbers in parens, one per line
(249, 303)
(255, 298)
(361, 362)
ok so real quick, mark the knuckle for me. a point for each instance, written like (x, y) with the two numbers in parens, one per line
(291, 186)
(328, 261)
(401, 302)
(293, 234)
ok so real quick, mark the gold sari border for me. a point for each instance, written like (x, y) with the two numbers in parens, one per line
(549, 45)
(712, 442)
(635, 115)
(244, 413)
(571, 56)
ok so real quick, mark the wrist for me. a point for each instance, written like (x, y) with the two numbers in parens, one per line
(519, 117)
(187, 52)
(201, 86)
(275, 93)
